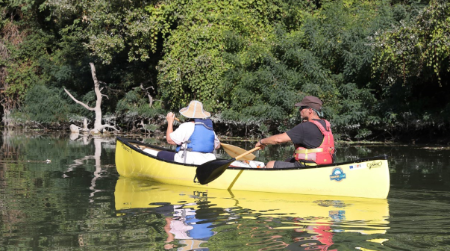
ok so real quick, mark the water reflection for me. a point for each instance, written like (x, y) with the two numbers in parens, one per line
(46, 204)
(74, 202)
(86, 140)
(222, 220)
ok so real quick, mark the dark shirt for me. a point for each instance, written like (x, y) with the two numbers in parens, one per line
(306, 134)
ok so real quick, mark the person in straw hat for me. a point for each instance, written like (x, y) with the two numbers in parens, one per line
(195, 139)
(313, 139)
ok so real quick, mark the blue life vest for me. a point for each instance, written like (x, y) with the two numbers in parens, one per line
(202, 139)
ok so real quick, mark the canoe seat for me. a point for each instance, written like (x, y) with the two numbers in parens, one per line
(151, 151)
(247, 163)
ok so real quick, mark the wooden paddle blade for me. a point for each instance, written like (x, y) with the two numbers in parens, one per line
(211, 170)
(234, 151)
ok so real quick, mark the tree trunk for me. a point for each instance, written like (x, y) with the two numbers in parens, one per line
(98, 126)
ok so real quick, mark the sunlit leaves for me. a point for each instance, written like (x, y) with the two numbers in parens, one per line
(193, 65)
(417, 49)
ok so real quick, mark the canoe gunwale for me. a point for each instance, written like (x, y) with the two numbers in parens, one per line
(129, 142)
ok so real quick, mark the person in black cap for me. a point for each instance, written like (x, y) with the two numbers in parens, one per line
(313, 139)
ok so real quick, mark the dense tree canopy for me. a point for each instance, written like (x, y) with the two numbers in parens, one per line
(378, 65)
(412, 67)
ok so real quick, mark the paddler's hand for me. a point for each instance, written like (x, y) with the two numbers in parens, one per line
(170, 118)
(260, 145)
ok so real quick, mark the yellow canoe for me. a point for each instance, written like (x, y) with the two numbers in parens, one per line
(367, 178)
(367, 216)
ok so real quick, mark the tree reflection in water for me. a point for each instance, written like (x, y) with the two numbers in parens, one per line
(86, 139)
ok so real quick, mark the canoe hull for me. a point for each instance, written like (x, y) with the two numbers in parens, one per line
(369, 179)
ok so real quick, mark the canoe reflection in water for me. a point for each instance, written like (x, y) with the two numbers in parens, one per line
(212, 219)
(311, 237)
(182, 225)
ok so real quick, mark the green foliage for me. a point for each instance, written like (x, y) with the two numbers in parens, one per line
(46, 105)
(22, 51)
(110, 27)
(264, 129)
(193, 64)
(118, 36)
(377, 65)
(327, 56)
(417, 49)
(151, 127)
(135, 106)
(264, 93)
(411, 64)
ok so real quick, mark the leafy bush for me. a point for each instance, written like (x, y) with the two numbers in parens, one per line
(134, 106)
(46, 105)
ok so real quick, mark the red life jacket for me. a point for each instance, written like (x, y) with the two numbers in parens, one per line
(324, 153)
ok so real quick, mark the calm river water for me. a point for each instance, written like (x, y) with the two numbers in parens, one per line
(61, 192)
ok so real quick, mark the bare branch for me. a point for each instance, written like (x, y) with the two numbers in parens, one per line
(79, 102)
(108, 126)
(150, 98)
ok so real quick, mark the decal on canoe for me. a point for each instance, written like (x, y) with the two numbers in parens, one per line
(126, 148)
(375, 164)
(337, 174)
(358, 166)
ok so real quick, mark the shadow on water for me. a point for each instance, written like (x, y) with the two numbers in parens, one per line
(63, 192)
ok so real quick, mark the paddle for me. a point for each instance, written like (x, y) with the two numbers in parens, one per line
(211, 170)
(233, 151)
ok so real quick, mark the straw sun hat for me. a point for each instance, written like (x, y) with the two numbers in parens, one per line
(195, 111)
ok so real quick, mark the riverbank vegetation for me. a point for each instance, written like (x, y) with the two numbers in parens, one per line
(381, 67)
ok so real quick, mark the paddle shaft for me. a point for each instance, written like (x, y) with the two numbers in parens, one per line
(211, 170)
(248, 152)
